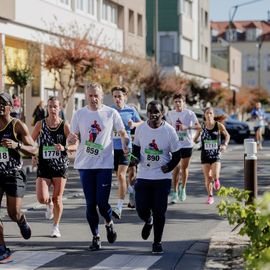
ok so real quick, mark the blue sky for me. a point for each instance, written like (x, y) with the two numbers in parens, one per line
(219, 10)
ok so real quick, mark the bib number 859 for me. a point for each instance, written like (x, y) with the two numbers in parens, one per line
(153, 157)
(92, 151)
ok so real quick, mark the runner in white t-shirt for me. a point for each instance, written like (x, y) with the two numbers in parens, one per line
(93, 127)
(183, 121)
(157, 148)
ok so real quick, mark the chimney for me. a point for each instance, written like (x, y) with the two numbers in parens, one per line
(268, 16)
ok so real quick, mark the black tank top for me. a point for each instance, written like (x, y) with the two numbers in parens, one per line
(10, 159)
(48, 156)
(210, 142)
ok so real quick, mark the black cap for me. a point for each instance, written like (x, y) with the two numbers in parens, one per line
(6, 97)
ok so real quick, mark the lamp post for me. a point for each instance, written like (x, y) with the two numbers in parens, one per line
(259, 46)
(232, 13)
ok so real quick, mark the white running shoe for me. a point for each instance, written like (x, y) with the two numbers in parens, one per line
(56, 232)
(49, 211)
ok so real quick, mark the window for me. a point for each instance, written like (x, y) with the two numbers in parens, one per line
(187, 8)
(206, 54)
(65, 2)
(250, 63)
(131, 21)
(87, 6)
(139, 25)
(231, 35)
(167, 57)
(253, 33)
(267, 59)
(187, 47)
(109, 12)
(251, 82)
(205, 19)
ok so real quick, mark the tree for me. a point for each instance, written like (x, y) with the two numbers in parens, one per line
(72, 57)
(123, 69)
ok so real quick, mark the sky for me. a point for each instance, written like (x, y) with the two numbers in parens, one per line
(219, 10)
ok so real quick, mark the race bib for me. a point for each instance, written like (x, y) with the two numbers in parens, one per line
(49, 152)
(4, 155)
(153, 157)
(210, 144)
(182, 135)
(93, 149)
(116, 135)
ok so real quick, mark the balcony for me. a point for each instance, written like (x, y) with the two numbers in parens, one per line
(219, 62)
(169, 59)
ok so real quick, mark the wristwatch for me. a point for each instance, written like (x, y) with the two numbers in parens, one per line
(19, 146)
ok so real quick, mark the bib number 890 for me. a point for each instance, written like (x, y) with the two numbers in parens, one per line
(92, 151)
(153, 157)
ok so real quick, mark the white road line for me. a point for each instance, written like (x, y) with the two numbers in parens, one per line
(126, 262)
(30, 260)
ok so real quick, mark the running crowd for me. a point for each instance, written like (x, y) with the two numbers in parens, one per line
(104, 139)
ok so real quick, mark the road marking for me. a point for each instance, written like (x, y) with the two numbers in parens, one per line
(127, 262)
(30, 260)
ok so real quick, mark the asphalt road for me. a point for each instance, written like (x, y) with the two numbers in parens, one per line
(188, 229)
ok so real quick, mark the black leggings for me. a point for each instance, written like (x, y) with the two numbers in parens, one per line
(152, 198)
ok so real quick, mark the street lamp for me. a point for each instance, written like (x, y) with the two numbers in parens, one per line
(232, 13)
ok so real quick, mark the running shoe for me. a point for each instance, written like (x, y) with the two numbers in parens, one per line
(131, 206)
(49, 211)
(157, 248)
(116, 212)
(131, 203)
(24, 228)
(96, 243)
(55, 232)
(216, 184)
(182, 193)
(111, 234)
(4, 253)
(210, 200)
(146, 230)
(174, 198)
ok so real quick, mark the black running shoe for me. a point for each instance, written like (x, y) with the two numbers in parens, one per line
(96, 243)
(111, 234)
(4, 253)
(146, 230)
(24, 228)
(157, 248)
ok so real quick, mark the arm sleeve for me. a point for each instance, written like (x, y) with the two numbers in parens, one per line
(176, 156)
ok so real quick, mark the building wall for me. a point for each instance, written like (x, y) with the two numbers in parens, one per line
(134, 42)
(250, 64)
(30, 20)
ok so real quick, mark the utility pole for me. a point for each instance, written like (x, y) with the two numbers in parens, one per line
(232, 13)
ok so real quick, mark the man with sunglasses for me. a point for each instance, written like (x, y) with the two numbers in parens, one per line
(14, 139)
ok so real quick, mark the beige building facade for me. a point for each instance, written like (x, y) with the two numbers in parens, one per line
(117, 25)
(252, 39)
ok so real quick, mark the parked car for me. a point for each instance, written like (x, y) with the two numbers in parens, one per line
(238, 130)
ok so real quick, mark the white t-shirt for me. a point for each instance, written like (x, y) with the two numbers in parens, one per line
(156, 146)
(95, 150)
(188, 119)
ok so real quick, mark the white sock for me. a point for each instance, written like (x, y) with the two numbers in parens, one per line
(130, 189)
(120, 204)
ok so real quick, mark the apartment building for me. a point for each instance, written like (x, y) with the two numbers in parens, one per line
(118, 25)
(178, 36)
(252, 39)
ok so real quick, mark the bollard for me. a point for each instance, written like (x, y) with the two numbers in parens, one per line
(250, 170)
(245, 153)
